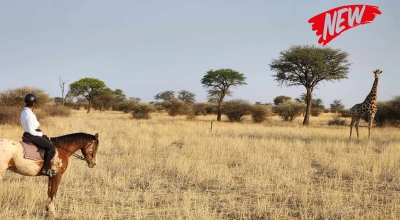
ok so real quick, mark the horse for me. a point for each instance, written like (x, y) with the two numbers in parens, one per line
(13, 158)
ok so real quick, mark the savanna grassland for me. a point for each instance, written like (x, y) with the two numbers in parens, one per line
(174, 168)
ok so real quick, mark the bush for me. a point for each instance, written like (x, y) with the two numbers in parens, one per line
(16, 97)
(56, 110)
(259, 113)
(388, 113)
(200, 109)
(345, 113)
(384, 115)
(127, 106)
(288, 110)
(212, 108)
(316, 111)
(191, 114)
(176, 107)
(10, 115)
(236, 109)
(337, 121)
(142, 111)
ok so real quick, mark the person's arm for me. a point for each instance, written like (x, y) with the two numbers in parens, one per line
(32, 125)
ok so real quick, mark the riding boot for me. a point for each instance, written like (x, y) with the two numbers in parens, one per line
(46, 170)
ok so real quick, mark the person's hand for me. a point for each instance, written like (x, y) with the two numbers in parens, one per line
(45, 136)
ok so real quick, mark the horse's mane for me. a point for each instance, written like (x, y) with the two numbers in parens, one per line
(73, 138)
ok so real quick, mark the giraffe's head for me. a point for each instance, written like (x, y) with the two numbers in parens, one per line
(377, 73)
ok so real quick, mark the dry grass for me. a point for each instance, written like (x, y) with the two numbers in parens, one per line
(173, 168)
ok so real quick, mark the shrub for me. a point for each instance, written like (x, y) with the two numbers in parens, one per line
(56, 110)
(236, 109)
(175, 107)
(259, 113)
(127, 106)
(16, 97)
(384, 115)
(288, 110)
(191, 114)
(200, 109)
(388, 113)
(212, 108)
(10, 115)
(316, 111)
(337, 121)
(142, 111)
(345, 113)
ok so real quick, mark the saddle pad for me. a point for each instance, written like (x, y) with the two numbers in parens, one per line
(30, 151)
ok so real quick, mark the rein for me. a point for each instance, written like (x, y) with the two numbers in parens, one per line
(75, 154)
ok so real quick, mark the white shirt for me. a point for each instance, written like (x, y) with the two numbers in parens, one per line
(29, 122)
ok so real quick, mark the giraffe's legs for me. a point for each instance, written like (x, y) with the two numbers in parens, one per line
(370, 121)
(357, 123)
(351, 125)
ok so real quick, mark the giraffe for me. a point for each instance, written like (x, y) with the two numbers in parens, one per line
(367, 107)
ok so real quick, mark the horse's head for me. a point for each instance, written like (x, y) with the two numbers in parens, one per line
(89, 151)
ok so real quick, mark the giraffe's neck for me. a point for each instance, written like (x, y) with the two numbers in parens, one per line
(371, 98)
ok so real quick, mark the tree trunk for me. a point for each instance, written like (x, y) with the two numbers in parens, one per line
(308, 108)
(62, 97)
(90, 106)
(219, 111)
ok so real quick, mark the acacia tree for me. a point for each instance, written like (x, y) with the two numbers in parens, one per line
(336, 106)
(218, 83)
(88, 88)
(167, 95)
(105, 99)
(307, 66)
(186, 96)
(280, 99)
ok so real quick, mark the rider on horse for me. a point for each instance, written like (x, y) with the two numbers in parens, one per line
(35, 135)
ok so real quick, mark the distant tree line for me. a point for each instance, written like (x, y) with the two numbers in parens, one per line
(298, 66)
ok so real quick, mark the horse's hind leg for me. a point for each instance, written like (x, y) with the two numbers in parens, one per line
(5, 163)
(2, 173)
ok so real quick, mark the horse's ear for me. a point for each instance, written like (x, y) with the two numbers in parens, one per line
(96, 136)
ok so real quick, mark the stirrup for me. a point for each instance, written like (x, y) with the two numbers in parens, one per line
(49, 172)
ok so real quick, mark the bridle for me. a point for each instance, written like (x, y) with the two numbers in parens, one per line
(76, 155)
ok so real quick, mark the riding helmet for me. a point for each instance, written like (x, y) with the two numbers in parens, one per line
(30, 99)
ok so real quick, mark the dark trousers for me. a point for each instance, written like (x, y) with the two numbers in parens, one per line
(47, 145)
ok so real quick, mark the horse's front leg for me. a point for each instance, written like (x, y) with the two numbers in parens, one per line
(51, 193)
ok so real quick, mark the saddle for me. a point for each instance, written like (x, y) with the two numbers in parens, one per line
(32, 151)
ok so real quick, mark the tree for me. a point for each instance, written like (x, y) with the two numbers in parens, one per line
(104, 99)
(260, 112)
(175, 107)
(288, 110)
(280, 99)
(186, 96)
(135, 99)
(236, 109)
(16, 97)
(307, 66)
(120, 98)
(317, 105)
(119, 95)
(62, 85)
(336, 106)
(167, 95)
(218, 83)
(88, 88)
(128, 105)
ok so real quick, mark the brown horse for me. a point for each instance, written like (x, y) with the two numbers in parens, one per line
(12, 157)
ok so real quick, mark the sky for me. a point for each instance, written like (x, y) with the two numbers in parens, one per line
(147, 47)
